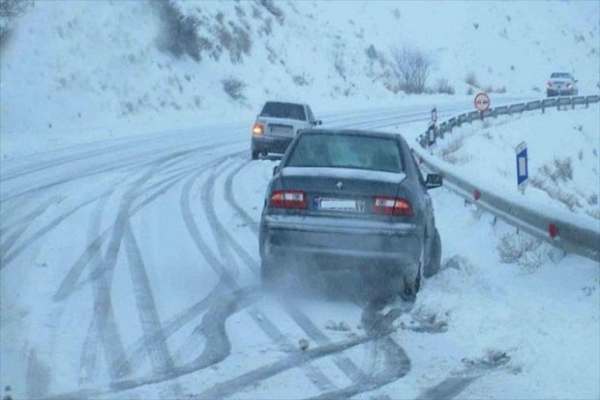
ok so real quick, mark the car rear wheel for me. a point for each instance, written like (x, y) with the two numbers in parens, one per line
(268, 272)
(435, 260)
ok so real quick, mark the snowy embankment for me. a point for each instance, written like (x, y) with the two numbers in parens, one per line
(564, 164)
(72, 73)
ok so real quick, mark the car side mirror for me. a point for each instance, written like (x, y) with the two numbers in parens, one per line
(275, 170)
(433, 181)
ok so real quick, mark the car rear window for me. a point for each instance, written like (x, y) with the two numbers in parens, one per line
(560, 75)
(346, 151)
(284, 110)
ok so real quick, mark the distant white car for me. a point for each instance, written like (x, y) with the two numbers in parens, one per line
(277, 124)
(561, 84)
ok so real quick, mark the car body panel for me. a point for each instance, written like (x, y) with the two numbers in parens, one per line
(348, 237)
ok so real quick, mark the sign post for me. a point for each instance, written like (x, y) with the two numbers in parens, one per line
(482, 103)
(522, 166)
(432, 129)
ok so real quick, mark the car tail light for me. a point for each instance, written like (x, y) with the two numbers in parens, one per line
(549, 84)
(568, 85)
(392, 206)
(258, 129)
(288, 199)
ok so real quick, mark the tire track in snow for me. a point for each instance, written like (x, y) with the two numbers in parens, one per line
(296, 359)
(313, 373)
(103, 329)
(138, 350)
(70, 283)
(397, 362)
(158, 351)
(6, 259)
(22, 224)
(212, 328)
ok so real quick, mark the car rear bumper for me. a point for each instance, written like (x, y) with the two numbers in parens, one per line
(324, 238)
(270, 144)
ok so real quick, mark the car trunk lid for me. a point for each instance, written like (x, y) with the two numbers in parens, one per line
(341, 191)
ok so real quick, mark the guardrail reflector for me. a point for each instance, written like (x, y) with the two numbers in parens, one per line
(552, 230)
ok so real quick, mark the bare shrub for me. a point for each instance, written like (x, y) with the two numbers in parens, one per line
(234, 88)
(270, 6)
(267, 27)
(443, 86)
(179, 35)
(237, 41)
(300, 80)
(558, 170)
(560, 174)
(371, 52)
(521, 249)
(471, 79)
(9, 11)
(411, 67)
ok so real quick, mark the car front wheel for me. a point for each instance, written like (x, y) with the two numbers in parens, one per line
(254, 154)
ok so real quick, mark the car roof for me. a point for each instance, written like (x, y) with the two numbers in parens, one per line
(286, 102)
(351, 132)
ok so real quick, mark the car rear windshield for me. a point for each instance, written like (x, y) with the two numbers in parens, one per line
(346, 151)
(284, 110)
(560, 75)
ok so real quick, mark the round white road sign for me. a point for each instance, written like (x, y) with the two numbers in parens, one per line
(482, 101)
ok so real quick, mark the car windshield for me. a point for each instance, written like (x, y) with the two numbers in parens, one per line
(284, 110)
(346, 151)
(561, 75)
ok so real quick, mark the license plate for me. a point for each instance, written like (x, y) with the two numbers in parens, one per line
(281, 130)
(341, 205)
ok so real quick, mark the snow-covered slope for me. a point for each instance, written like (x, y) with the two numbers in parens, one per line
(563, 149)
(89, 71)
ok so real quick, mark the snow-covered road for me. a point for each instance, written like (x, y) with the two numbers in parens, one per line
(129, 269)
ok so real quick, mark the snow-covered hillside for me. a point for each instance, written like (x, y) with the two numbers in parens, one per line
(563, 149)
(70, 68)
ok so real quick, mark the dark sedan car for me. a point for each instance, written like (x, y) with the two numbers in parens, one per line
(344, 199)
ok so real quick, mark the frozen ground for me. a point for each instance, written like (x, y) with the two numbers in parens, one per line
(563, 149)
(132, 272)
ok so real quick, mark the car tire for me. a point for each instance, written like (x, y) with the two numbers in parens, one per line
(268, 272)
(254, 154)
(434, 264)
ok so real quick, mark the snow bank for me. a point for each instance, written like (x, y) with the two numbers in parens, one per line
(75, 72)
(563, 150)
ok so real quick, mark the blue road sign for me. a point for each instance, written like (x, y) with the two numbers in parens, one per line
(522, 170)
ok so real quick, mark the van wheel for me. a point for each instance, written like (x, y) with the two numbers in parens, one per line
(254, 155)
(435, 259)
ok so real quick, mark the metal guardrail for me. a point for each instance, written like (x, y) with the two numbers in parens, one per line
(560, 231)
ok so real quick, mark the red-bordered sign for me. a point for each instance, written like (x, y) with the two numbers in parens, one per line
(482, 101)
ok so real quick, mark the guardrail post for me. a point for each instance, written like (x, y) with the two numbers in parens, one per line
(572, 103)
(587, 102)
